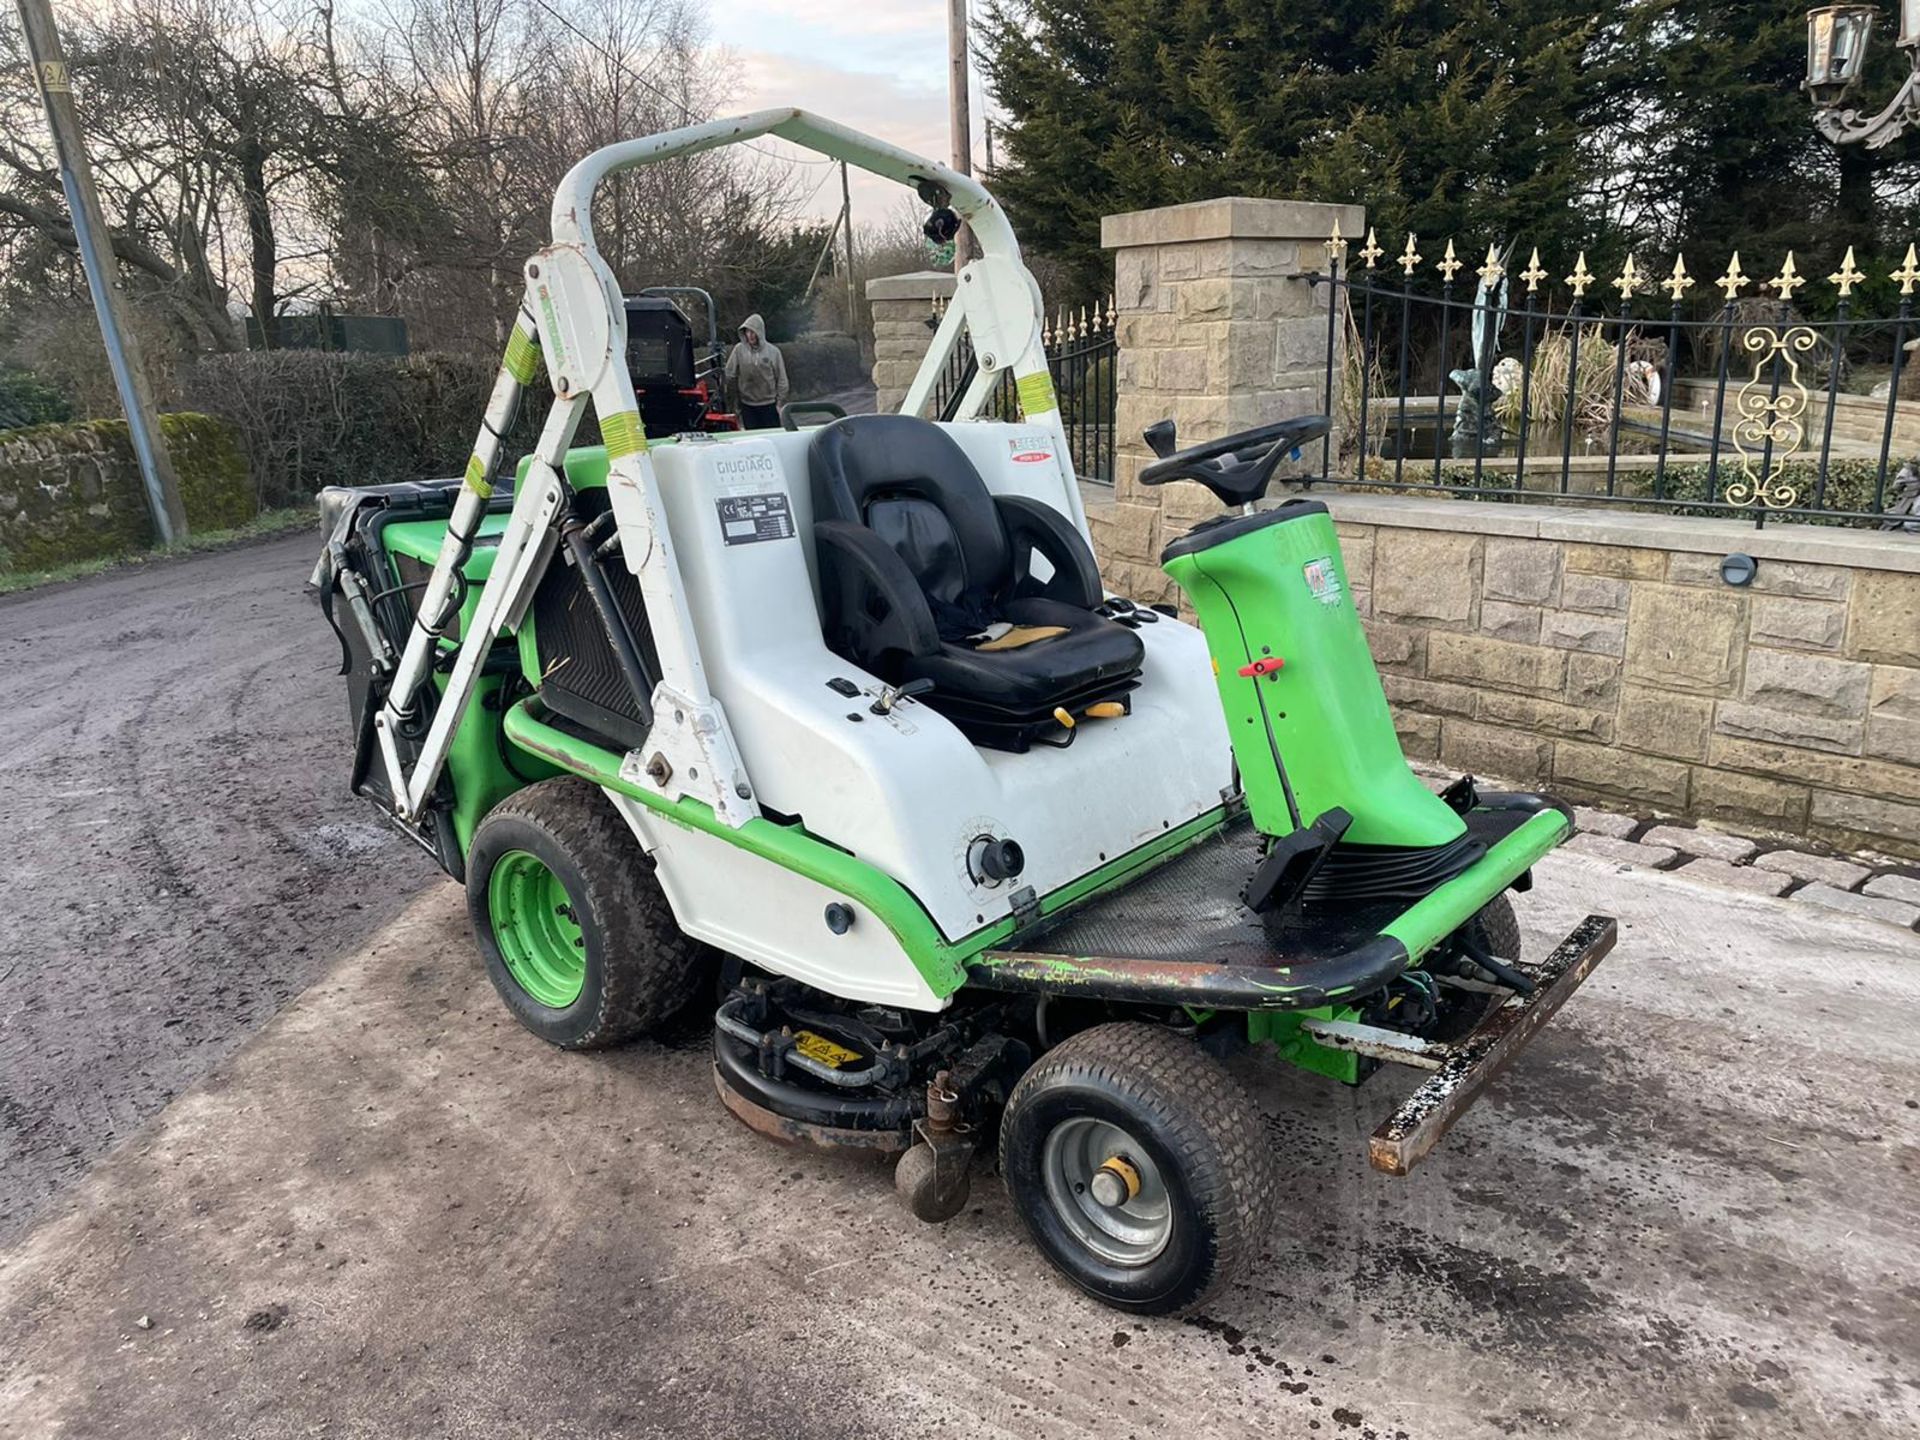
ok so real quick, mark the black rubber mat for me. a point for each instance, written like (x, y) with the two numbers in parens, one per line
(1190, 909)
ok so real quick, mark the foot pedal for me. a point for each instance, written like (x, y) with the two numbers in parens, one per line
(1293, 860)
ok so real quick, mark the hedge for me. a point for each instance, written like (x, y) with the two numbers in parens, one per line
(73, 492)
(311, 418)
(27, 399)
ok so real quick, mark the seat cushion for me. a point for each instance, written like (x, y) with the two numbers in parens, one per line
(1092, 654)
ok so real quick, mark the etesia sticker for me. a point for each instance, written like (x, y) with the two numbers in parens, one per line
(1323, 580)
(1031, 449)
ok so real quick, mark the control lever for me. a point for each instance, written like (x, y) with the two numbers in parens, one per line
(892, 695)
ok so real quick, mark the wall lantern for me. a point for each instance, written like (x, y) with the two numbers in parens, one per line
(1837, 40)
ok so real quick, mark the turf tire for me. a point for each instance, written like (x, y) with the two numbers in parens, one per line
(640, 968)
(1498, 928)
(1198, 1127)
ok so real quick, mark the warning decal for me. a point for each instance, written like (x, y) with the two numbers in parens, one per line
(1323, 580)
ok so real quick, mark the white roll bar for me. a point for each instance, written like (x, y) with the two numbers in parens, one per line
(574, 322)
(573, 200)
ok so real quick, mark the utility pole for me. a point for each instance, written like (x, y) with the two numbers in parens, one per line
(958, 101)
(846, 214)
(95, 245)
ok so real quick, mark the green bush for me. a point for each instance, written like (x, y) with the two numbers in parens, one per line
(27, 399)
(73, 492)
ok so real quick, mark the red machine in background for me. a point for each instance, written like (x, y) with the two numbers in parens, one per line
(680, 384)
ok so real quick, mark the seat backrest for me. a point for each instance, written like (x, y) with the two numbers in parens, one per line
(906, 480)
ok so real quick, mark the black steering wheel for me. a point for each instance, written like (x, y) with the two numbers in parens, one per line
(1238, 468)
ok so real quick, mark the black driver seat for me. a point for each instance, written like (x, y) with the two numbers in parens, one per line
(920, 564)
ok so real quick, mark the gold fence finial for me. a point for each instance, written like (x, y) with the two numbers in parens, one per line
(1372, 252)
(1908, 272)
(1629, 281)
(1678, 283)
(1788, 280)
(1492, 270)
(1733, 279)
(1847, 276)
(1448, 265)
(1533, 274)
(1410, 257)
(1337, 244)
(1581, 277)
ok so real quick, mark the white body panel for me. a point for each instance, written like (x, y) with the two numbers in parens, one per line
(763, 912)
(908, 793)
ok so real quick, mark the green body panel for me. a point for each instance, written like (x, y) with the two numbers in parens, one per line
(420, 540)
(1427, 922)
(1281, 1029)
(1282, 591)
(587, 466)
(941, 963)
(477, 764)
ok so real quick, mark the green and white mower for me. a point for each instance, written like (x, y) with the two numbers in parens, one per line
(839, 726)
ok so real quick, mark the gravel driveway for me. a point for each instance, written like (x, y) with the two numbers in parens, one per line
(183, 855)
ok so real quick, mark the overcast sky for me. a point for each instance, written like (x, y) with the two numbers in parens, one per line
(877, 65)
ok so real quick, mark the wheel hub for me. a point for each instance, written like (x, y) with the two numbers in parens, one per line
(1115, 1183)
(1108, 1194)
(536, 927)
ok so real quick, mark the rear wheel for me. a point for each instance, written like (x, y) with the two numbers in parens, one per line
(577, 934)
(1139, 1167)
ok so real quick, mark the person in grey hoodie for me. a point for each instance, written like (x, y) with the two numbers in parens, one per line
(757, 377)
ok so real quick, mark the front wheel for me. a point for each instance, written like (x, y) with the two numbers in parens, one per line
(1139, 1167)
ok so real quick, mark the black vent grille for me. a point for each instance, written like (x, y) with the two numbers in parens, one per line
(579, 678)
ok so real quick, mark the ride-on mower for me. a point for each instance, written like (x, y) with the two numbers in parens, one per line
(678, 386)
(841, 724)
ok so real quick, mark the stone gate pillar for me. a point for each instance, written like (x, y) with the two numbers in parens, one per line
(1219, 329)
(901, 335)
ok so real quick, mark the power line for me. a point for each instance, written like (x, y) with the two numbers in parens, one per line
(686, 112)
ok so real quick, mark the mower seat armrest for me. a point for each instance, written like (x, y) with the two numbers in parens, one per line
(870, 602)
(1035, 527)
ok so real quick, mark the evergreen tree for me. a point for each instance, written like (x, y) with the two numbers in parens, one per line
(1464, 119)
(1557, 123)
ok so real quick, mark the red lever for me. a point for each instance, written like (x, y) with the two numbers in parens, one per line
(1264, 666)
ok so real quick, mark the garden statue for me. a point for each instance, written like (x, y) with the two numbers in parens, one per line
(1473, 420)
(1476, 429)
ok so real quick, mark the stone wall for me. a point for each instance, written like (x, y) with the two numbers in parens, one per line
(73, 492)
(1591, 652)
(1601, 655)
(1220, 330)
(901, 306)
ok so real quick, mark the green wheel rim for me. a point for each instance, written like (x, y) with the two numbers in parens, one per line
(535, 926)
